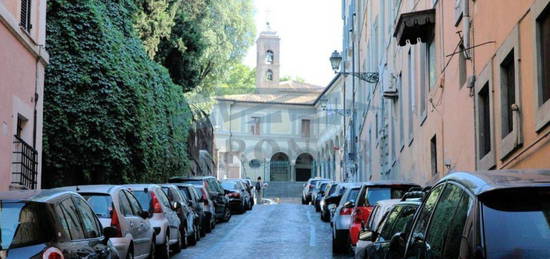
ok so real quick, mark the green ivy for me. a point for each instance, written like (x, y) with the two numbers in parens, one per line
(111, 114)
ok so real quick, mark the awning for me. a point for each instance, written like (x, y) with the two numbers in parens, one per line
(414, 25)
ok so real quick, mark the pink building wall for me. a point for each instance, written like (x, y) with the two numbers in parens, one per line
(22, 66)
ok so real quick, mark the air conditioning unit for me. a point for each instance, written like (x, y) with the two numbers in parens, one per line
(390, 91)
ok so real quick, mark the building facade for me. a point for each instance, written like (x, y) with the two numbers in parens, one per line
(464, 85)
(23, 59)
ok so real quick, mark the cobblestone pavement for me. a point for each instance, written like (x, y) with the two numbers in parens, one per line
(286, 230)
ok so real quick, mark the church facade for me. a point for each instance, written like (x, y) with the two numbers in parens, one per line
(274, 132)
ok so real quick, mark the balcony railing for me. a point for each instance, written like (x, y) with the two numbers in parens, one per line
(24, 164)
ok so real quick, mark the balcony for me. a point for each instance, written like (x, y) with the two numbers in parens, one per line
(24, 164)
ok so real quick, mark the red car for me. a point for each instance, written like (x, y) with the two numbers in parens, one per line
(370, 193)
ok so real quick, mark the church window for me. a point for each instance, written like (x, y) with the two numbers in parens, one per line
(269, 75)
(269, 57)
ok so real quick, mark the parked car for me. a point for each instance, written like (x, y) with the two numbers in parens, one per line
(117, 207)
(215, 193)
(250, 189)
(164, 218)
(51, 224)
(489, 214)
(378, 213)
(325, 201)
(308, 188)
(190, 222)
(239, 198)
(207, 203)
(397, 222)
(197, 203)
(318, 193)
(370, 193)
(341, 218)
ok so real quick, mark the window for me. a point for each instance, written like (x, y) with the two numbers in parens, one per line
(306, 128)
(69, 211)
(255, 126)
(269, 75)
(430, 51)
(508, 93)
(433, 152)
(447, 214)
(87, 218)
(101, 204)
(269, 57)
(410, 74)
(484, 121)
(124, 205)
(426, 212)
(134, 204)
(26, 14)
(387, 226)
(404, 221)
(541, 29)
(21, 121)
(456, 227)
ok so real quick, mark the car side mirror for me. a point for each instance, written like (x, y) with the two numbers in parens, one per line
(108, 233)
(349, 204)
(144, 214)
(366, 235)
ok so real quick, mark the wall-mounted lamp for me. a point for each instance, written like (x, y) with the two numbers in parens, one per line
(336, 60)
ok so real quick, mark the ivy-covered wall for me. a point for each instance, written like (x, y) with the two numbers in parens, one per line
(111, 114)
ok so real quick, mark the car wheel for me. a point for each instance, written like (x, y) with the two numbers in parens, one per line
(181, 242)
(163, 250)
(340, 243)
(227, 215)
(208, 226)
(193, 239)
(152, 249)
(304, 202)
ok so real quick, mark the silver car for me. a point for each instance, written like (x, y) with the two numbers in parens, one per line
(164, 219)
(117, 207)
(341, 218)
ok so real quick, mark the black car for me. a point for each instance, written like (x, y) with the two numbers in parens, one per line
(319, 194)
(206, 218)
(397, 222)
(239, 198)
(215, 193)
(308, 189)
(331, 197)
(190, 224)
(51, 224)
(490, 214)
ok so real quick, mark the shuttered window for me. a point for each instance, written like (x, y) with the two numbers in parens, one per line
(26, 14)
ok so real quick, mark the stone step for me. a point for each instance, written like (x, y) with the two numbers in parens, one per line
(284, 190)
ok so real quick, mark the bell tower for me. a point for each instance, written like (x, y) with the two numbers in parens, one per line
(267, 59)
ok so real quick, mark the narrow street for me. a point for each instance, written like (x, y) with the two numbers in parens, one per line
(286, 230)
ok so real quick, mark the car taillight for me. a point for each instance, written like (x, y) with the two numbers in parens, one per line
(155, 204)
(234, 194)
(346, 211)
(52, 253)
(204, 197)
(115, 222)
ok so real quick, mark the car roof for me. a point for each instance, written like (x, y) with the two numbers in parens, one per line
(388, 182)
(102, 188)
(43, 195)
(192, 178)
(484, 181)
(140, 186)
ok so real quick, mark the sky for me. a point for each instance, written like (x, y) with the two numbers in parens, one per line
(309, 30)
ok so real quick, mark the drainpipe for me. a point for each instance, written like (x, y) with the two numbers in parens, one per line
(466, 28)
(37, 66)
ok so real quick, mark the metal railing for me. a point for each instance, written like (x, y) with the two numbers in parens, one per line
(24, 164)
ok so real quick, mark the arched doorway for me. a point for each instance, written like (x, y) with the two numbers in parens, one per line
(304, 165)
(279, 167)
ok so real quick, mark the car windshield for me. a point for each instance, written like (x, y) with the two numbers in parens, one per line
(100, 203)
(377, 194)
(517, 223)
(352, 196)
(332, 189)
(23, 224)
(144, 199)
(230, 185)
(185, 192)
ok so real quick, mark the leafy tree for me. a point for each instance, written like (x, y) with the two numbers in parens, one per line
(239, 80)
(111, 114)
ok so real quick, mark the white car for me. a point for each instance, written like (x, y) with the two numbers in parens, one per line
(117, 207)
(164, 219)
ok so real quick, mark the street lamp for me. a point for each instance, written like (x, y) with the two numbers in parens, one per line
(369, 77)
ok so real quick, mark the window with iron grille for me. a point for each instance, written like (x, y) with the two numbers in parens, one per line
(26, 14)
